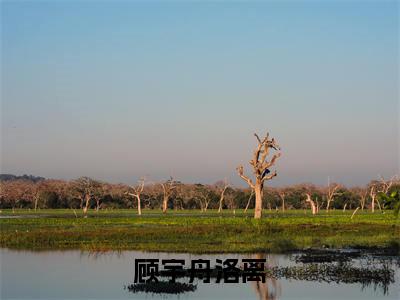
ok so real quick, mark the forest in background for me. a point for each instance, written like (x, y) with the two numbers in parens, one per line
(33, 192)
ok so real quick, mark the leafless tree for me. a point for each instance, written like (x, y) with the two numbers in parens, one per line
(221, 187)
(137, 191)
(261, 171)
(331, 192)
(168, 187)
(362, 194)
(386, 185)
(204, 196)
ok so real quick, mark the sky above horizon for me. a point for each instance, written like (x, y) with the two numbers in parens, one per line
(120, 90)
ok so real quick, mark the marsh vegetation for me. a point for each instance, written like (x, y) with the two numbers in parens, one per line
(196, 231)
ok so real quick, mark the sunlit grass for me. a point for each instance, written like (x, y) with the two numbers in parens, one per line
(193, 231)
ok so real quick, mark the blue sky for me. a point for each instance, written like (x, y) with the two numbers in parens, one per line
(117, 90)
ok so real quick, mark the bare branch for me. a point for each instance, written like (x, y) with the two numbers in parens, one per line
(244, 177)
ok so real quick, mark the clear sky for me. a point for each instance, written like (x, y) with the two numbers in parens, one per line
(117, 90)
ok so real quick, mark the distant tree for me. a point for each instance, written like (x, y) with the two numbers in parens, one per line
(85, 189)
(362, 194)
(312, 204)
(49, 199)
(9, 177)
(17, 193)
(204, 195)
(331, 192)
(136, 192)
(168, 187)
(221, 187)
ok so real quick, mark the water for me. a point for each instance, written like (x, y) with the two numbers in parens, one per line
(83, 275)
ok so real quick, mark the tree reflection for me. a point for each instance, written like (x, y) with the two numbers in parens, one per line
(271, 289)
(338, 268)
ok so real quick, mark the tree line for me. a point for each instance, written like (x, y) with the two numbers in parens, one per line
(86, 193)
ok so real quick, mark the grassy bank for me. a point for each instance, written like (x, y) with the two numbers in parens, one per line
(192, 231)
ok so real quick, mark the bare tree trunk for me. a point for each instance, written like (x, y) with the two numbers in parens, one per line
(258, 191)
(373, 203)
(355, 212)
(248, 202)
(313, 207)
(168, 188)
(331, 193)
(165, 204)
(139, 205)
(379, 204)
(221, 199)
(97, 205)
(344, 208)
(87, 201)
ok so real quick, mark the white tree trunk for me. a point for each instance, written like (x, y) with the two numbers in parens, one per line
(139, 206)
(165, 204)
(373, 204)
(313, 207)
(258, 191)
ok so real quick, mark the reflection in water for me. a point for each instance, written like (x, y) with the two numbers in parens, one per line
(340, 268)
(271, 289)
(102, 275)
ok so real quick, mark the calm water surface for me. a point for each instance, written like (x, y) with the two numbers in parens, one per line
(83, 275)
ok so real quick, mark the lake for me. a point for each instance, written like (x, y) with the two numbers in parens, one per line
(83, 275)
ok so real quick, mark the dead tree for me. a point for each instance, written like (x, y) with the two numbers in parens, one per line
(168, 187)
(223, 188)
(331, 192)
(386, 185)
(261, 171)
(313, 206)
(137, 191)
(363, 194)
(372, 194)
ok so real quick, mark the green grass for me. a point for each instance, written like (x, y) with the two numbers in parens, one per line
(193, 231)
